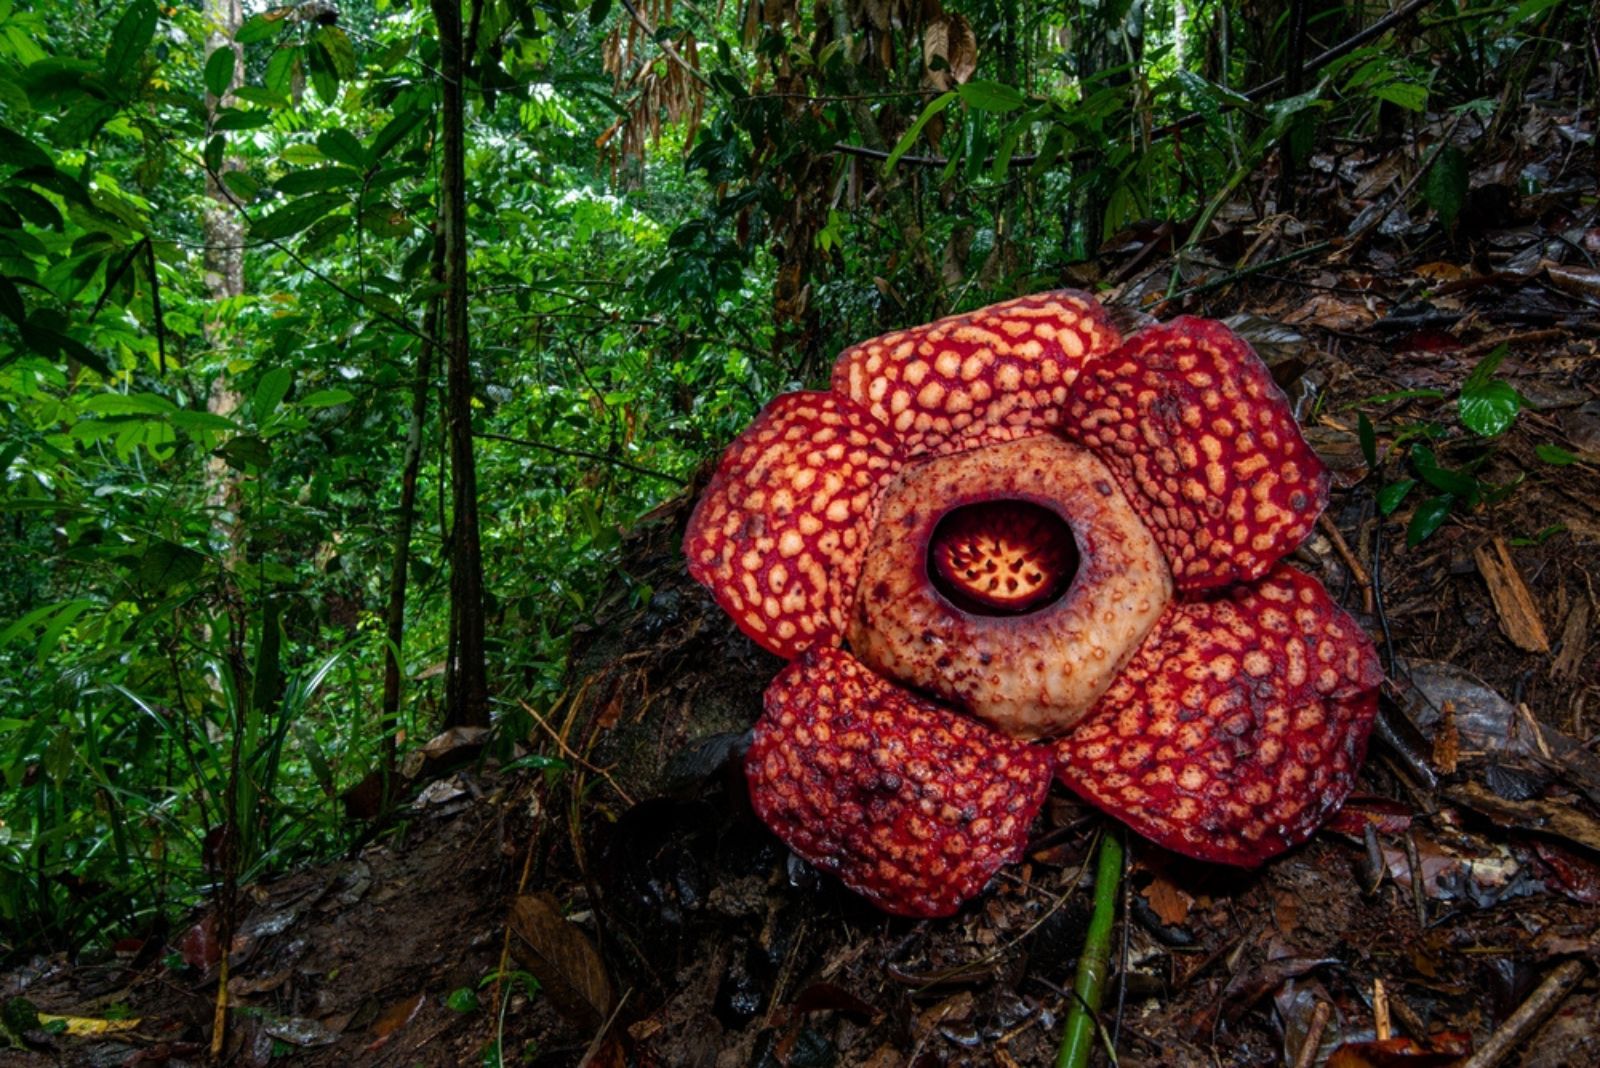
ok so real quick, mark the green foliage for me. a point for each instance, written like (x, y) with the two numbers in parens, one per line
(1486, 408)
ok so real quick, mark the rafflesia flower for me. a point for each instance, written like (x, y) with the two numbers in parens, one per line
(1050, 552)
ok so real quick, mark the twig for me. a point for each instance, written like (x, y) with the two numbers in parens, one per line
(1529, 1015)
(1245, 272)
(1088, 986)
(1363, 580)
(568, 751)
(584, 454)
(1381, 1026)
(1319, 1024)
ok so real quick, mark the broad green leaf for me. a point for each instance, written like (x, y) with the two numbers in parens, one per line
(129, 404)
(219, 71)
(326, 398)
(1428, 517)
(194, 419)
(270, 391)
(296, 215)
(341, 146)
(1445, 185)
(936, 105)
(335, 44)
(395, 130)
(241, 119)
(1369, 441)
(246, 453)
(1550, 454)
(281, 69)
(1390, 496)
(164, 565)
(1452, 482)
(263, 26)
(991, 96)
(318, 180)
(1489, 409)
(130, 38)
(1408, 95)
(20, 151)
(242, 184)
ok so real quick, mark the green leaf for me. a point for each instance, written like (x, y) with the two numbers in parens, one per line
(326, 398)
(220, 65)
(936, 105)
(395, 130)
(1555, 454)
(281, 68)
(1429, 517)
(246, 453)
(1444, 187)
(129, 404)
(1408, 95)
(1489, 409)
(164, 564)
(131, 37)
(270, 391)
(341, 146)
(1369, 441)
(296, 215)
(242, 184)
(462, 999)
(241, 119)
(1390, 496)
(318, 180)
(996, 97)
(335, 44)
(263, 26)
(1452, 482)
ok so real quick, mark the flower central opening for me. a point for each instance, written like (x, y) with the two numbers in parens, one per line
(1002, 558)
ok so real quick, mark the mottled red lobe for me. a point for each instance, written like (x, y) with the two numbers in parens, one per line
(778, 534)
(1205, 445)
(995, 374)
(911, 805)
(1237, 727)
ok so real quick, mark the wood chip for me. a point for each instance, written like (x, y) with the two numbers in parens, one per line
(1519, 614)
(1574, 641)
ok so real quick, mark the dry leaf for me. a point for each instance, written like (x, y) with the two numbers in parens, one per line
(561, 957)
(949, 52)
(1169, 902)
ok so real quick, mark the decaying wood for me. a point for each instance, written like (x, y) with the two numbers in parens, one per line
(1519, 614)
(1551, 817)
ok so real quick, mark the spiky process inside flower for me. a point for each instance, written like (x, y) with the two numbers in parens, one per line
(1066, 536)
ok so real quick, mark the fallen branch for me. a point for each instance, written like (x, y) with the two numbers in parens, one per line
(1529, 1015)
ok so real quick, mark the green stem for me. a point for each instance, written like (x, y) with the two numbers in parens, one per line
(1088, 986)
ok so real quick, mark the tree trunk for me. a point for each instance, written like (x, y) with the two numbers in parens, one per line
(395, 611)
(224, 261)
(466, 681)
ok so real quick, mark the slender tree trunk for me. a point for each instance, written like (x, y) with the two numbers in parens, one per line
(395, 612)
(224, 260)
(466, 680)
(224, 278)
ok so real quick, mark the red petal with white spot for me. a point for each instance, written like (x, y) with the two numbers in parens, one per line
(995, 374)
(1239, 725)
(778, 534)
(1204, 442)
(910, 805)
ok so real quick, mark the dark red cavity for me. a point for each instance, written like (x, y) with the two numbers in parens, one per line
(1002, 558)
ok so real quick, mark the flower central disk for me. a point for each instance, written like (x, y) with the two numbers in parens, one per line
(1006, 558)
(1096, 582)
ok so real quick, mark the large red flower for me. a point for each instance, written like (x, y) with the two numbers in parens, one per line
(1049, 551)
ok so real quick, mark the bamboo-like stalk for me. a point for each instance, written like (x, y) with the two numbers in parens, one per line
(1088, 986)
